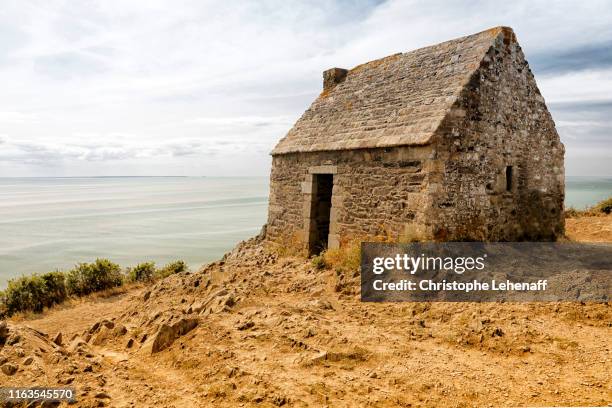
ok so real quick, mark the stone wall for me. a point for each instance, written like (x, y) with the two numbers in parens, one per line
(500, 120)
(375, 192)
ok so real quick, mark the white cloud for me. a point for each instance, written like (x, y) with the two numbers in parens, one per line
(582, 86)
(159, 86)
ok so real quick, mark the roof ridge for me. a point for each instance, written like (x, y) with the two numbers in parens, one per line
(493, 31)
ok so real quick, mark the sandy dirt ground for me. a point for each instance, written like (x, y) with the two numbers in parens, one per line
(259, 330)
(589, 229)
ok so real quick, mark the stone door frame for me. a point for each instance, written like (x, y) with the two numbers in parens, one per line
(309, 190)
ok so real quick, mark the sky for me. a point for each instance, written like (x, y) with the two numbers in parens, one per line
(207, 88)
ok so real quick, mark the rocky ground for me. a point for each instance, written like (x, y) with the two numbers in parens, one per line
(259, 330)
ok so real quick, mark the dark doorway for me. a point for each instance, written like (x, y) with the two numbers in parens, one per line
(508, 178)
(321, 208)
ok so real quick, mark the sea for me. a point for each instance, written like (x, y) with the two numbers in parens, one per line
(54, 223)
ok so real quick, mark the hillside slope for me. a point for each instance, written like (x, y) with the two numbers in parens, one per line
(258, 330)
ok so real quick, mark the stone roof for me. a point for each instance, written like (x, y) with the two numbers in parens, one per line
(397, 100)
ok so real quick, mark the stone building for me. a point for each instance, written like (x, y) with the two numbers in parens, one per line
(448, 142)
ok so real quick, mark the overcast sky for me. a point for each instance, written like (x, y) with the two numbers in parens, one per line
(207, 87)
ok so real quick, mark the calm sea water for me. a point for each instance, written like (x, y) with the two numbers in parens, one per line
(49, 223)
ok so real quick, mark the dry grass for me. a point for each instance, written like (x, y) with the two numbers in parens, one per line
(292, 246)
(71, 302)
(344, 259)
(348, 256)
(602, 208)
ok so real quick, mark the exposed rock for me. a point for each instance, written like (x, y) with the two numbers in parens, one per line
(498, 332)
(103, 335)
(167, 333)
(102, 323)
(245, 325)
(58, 339)
(9, 369)
(4, 331)
(76, 344)
(197, 307)
(66, 380)
(119, 330)
(13, 339)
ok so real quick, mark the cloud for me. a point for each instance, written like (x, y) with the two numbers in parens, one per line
(68, 65)
(585, 57)
(165, 85)
(257, 121)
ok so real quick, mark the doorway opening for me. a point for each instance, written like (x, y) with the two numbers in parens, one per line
(509, 178)
(321, 208)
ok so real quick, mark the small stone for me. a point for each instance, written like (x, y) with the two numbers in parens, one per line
(102, 395)
(4, 331)
(28, 360)
(246, 325)
(120, 330)
(66, 380)
(9, 369)
(58, 339)
(13, 339)
(497, 332)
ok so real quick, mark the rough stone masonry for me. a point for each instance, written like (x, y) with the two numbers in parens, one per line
(450, 142)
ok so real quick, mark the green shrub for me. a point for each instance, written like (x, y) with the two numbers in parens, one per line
(170, 269)
(604, 206)
(143, 272)
(55, 288)
(26, 293)
(88, 278)
(3, 310)
(33, 293)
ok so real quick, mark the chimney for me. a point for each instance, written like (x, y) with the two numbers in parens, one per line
(332, 77)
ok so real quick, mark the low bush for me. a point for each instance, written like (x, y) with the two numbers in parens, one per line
(55, 288)
(603, 207)
(170, 269)
(88, 278)
(143, 272)
(344, 259)
(26, 293)
(33, 293)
